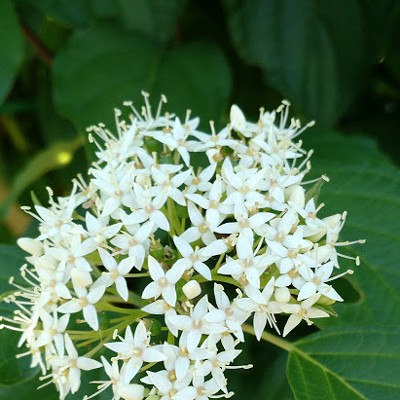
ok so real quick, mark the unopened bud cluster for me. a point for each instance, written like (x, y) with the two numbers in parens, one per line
(175, 240)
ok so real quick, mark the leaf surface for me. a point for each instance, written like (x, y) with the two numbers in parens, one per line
(347, 364)
(12, 48)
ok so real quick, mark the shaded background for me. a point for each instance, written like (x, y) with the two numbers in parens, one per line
(64, 65)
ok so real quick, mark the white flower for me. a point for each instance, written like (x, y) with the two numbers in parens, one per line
(198, 323)
(245, 225)
(171, 390)
(170, 186)
(116, 273)
(85, 303)
(243, 187)
(201, 181)
(263, 311)
(163, 282)
(215, 209)
(99, 229)
(136, 244)
(135, 349)
(305, 311)
(161, 307)
(247, 265)
(200, 227)
(148, 204)
(196, 258)
(53, 329)
(72, 364)
(315, 282)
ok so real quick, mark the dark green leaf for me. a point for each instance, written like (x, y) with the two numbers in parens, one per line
(195, 76)
(11, 48)
(366, 184)
(316, 52)
(155, 19)
(90, 79)
(17, 379)
(346, 364)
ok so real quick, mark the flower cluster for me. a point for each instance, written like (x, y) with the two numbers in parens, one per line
(150, 268)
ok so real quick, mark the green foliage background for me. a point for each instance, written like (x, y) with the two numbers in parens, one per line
(65, 64)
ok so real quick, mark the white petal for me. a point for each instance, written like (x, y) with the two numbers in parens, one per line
(87, 364)
(244, 248)
(151, 290)
(155, 269)
(203, 270)
(122, 287)
(70, 307)
(260, 320)
(183, 247)
(291, 323)
(140, 337)
(90, 315)
(96, 294)
(126, 265)
(161, 383)
(153, 355)
(308, 290)
(169, 295)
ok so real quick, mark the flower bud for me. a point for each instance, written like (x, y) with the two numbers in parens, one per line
(296, 195)
(81, 278)
(282, 295)
(31, 246)
(238, 120)
(321, 253)
(191, 289)
(131, 391)
(333, 220)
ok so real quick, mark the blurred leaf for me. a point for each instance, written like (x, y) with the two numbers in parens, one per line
(155, 19)
(11, 259)
(11, 48)
(195, 76)
(366, 184)
(89, 79)
(98, 69)
(274, 384)
(17, 379)
(317, 53)
(346, 364)
(56, 156)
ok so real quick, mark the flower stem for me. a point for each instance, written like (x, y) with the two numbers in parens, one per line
(269, 337)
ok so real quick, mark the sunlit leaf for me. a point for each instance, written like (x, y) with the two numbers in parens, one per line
(56, 156)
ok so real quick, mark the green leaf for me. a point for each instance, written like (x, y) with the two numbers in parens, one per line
(317, 53)
(156, 19)
(56, 156)
(366, 184)
(347, 364)
(195, 76)
(17, 379)
(11, 48)
(11, 260)
(90, 80)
